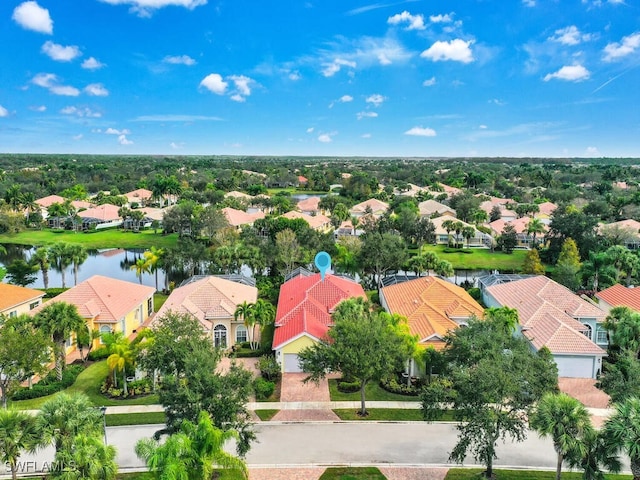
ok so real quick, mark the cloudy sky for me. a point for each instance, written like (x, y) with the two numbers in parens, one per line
(321, 77)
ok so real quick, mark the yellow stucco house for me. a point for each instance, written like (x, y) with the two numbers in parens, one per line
(15, 300)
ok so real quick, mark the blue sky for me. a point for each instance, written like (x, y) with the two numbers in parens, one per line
(321, 77)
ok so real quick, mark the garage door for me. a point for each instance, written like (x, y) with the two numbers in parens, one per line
(291, 364)
(574, 366)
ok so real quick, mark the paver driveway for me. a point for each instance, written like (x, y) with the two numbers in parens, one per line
(294, 390)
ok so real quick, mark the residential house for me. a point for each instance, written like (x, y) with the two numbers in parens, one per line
(15, 300)
(433, 208)
(545, 210)
(432, 306)
(346, 228)
(480, 239)
(626, 232)
(238, 218)
(140, 197)
(450, 191)
(316, 222)
(373, 207)
(303, 317)
(502, 204)
(46, 202)
(619, 296)
(411, 190)
(108, 305)
(102, 216)
(520, 226)
(552, 316)
(213, 301)
(238, 195)
(302, 181)
(310, 205)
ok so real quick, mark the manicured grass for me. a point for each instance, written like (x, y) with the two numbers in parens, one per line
(480, 258)
(148, 418)
(113, 238)
(476, 474)
(89, 382)
(388, 415)
(158, 300)
(372, 392)
(266, 415)
(224, 475)
(352, 473)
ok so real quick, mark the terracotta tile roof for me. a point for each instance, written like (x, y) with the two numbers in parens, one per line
(375, 205)
(621, 296)
(429, 207)
(153, 213)
(141, 194)
(520, 225)
(305, 305)
(240, 195)
(631, 225)
(106, 212)
(547, 208)
(237, 218)
(46, 202)
(103, 298)
(314, 221)
(549, 314)
(430, 305)
(311, 204)
(302, 179)
(208, 299)
(13, 295)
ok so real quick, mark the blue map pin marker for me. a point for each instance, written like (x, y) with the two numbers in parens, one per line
(323, 262)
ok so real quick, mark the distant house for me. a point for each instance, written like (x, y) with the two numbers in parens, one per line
(373, 206)
(102, 216)
(316, 222)
(520, 225)
(432, 306)
(213, 300)
(108, 305)
(238, 195)
(302, 181)
(16, 300)
(545, 210)
(502, 204)
(142, 197)
(479, 239)
(432, 208)
(303, 317)
(450, 191)
(619, 296)
(238, 218)
(310, 206)
(626, 232)
(412, 191)
(552, 316)
(46, 202)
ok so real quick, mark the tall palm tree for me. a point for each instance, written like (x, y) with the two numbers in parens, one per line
(18, 433)
(88, 459)
(565, 420)
(41, 258)
(535, 227)
(60, 320)
(78, 255)
(60, 257)
(595, 457)
(246, 312)
(468, 233)
(119, 360)
(449, 226)
(622, 431)
(153, 256)
(192, 453)
(264, 313)
(141, 266)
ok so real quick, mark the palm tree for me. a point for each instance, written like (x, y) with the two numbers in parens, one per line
(444, 268)
(245, 310)
(264, 313)
(89, 459)
(60, 256)
(565, 420)
(594, 457)
(153, 256)
(535, 227)
(41, 258)
(192, 453)
(60, 320)
(468, 233)
(622, 431)
(449, 226)
(120, 358)
(141, 266)
(78, 255)
(18, 433)
(13, 196)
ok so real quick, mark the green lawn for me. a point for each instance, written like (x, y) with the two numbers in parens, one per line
(113, 238)
(266, 415)
(372, 392)
(89, 382)
(480, 258)
(148, 418)
(475, 474)
(388, 415)
(352, 473)
(224, 475)
(158, 300)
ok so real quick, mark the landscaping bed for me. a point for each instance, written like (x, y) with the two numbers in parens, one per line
(373, 392)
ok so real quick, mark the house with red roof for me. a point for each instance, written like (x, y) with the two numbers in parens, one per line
(316, 222)
(108, 305)
(213, 301)
(141, 197)
(16, 300)
(552, 316)
(310, 206)
(303, 317)
(237, 218)
(619, 296)
(520, 226)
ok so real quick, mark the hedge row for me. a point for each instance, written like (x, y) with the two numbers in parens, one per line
(49, 384)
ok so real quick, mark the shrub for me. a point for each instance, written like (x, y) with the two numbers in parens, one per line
(348, 387)
(263, 388)
(475, 293)
(53, 292)
(99, 354)
(392, 385)
(49, 384)
(269, 368)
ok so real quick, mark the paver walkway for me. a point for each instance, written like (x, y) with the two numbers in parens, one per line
(294, 390)
(314, 473)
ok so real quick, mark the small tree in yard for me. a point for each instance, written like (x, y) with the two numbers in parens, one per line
(508, 240)
(532, 264)
(492, 379)
(364, 345)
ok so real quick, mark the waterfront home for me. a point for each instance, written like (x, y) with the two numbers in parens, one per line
(16, 300)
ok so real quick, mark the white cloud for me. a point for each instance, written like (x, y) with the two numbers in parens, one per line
(310, 130)
(38, 108)
(123, 140)
(64, 90)
(51, 82)
(421, 132)
(242, 84)
(529, 3)
(498, 102)
(362, 115)
(77, 137)
(345, 99)
(144, 8)
(3, 112)
(176, 146)
(325, 138)
(442, 18)
(430, 82)
(365, 135)
(44, 80)
(294, 76)
(80, 112)
(592, 151)
(628, 45)
(114, 131)
(96, 90)
(236, 97)
(179, 60)
(482, 127)
(330, 69)
(32, 16)
(214, 83)
(92, 64)
(570, 73)
(376, 99)
(60, 53)
(415, 22)
(570, 36)
(456, 50)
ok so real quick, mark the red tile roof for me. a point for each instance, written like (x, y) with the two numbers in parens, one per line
(621, 296)
(105, 212)
(311, 204)
(305, 305)
(13, 295)
(431, 306)
(520, 225)
(103, 298)
(549, 314)
(317, 222)
(237, 218)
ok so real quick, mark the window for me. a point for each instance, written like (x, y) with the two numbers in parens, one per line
(601, 336)
(149, 306)
(241, 334)
(13, 314)
(103, 330)
(33, 305)
(587, 332)
(220, 336)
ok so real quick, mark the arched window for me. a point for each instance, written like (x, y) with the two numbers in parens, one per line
(220, 336)
(241, 334)
(587, 332)
(103, 330)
